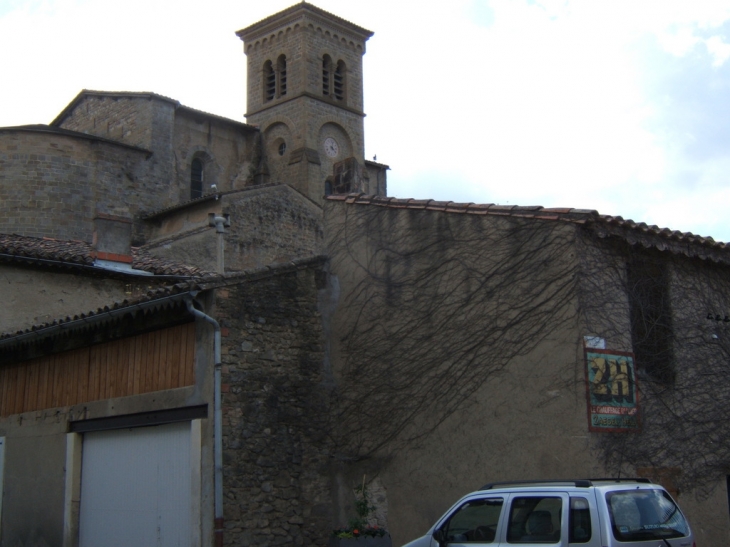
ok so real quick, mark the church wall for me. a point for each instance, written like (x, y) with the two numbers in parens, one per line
(271, 225)
(52, 185)
(127, 119)
(275, 445)
(227, 152)
(268, 225)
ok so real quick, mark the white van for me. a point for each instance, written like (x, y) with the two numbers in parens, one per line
(581, 513)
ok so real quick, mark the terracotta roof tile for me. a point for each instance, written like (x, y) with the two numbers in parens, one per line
(635, 233)
(69, 254)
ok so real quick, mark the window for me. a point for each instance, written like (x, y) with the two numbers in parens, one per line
(281, 69)
(269, 81)
(651, 316)
(196, 178)
(328, 187)
(474, 522)
(326, 72)
(339, 81)
(334, 78)
(643, 515)
(579, 521)
(535, 520)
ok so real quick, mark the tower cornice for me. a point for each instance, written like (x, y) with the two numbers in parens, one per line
(304, 14)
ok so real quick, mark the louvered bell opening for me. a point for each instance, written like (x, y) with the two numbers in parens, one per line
(269, 81)
(283, 83)
(339, 88)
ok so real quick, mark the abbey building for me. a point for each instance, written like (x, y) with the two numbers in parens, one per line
(218, 333)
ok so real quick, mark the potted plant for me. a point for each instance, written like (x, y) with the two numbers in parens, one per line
(360, 531)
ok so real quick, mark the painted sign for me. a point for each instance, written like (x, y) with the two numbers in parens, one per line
(613, 397)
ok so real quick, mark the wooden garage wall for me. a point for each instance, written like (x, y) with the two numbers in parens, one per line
(163, 359)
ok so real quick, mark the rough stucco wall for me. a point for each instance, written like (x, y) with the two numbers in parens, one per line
(276, 460)
(527, 421)
(32, 297)
(696, 287)
(33, 487)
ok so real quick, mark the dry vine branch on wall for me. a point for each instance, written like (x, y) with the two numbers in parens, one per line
(683, 359)
(437, 306)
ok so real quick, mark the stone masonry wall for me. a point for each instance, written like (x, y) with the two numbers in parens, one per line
(124, 119)
(277, 486)
(271, 225)
(52, 185)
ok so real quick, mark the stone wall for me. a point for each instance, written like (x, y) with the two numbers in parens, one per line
(269, 224)
(226, 150)
(53, 184)
(276, 461)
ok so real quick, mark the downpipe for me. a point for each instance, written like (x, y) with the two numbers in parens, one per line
(217, 424)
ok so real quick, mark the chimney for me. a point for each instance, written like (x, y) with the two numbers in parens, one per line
(113, 242)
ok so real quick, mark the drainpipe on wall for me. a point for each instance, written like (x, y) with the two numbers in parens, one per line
(217, 423)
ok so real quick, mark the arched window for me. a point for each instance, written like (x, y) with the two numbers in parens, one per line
(326, 74)
(328, 187)
(269, 81)
(281, 69)
(339, 81)
(196, 178)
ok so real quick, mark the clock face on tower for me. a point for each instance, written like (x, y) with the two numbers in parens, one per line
(331, 148)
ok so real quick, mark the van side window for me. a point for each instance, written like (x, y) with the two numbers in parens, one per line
(535, 520)
(474, 522)
(580, 521)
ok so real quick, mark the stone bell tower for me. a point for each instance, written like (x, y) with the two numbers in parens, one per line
(305, 92)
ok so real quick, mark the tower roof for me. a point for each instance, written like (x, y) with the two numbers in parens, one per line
(301, 12)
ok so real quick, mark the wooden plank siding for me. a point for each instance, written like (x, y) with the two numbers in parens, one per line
(155, 361)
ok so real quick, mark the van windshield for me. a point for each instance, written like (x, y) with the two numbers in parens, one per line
(638, 515)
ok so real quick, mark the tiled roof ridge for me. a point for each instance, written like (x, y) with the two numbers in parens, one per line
(74, 253)
(604, 225)
(530, 211)
(207, 197)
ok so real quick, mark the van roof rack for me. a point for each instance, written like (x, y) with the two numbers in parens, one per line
(578, 483)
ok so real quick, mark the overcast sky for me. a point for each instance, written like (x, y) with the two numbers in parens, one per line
(619, 106)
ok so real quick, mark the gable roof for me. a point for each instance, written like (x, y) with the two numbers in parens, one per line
(635, 233)
(144, 95)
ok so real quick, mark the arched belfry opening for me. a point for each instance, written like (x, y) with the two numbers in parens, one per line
(305, 67)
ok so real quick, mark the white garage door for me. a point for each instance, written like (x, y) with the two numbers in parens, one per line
(136, 487)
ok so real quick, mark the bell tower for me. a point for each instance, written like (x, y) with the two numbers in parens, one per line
(305, 93)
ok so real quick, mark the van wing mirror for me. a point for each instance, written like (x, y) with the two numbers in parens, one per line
(440, 536)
